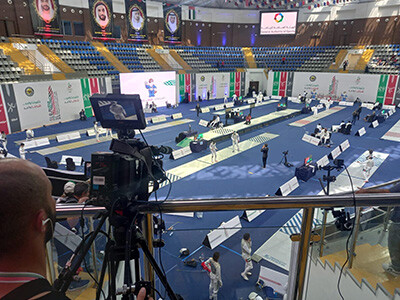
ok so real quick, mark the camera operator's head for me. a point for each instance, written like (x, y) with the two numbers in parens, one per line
(27, 214)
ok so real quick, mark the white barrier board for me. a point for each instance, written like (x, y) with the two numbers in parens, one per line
(224, 231)
(68, 136)
(181, 152)
(36, 143)
(77, 160)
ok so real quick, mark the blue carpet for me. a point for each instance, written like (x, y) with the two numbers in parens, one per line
(238, 176)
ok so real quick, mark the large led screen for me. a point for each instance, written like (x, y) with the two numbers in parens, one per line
(151, 86)
(278, 23)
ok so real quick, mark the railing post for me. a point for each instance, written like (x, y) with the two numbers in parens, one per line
(323, 233)
(148, 235)
(302, 257)
(355, 234)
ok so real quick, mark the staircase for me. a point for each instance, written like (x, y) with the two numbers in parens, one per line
(338, 60)
(157, 57)
(23, 62)
(54, 59)
(248, 55)
(364, 59)
(119, 66)
(367, 267)
(179, 60)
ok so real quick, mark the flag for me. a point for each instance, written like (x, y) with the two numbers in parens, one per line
(192, 13)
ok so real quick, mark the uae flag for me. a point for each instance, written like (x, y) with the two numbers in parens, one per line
(192, 13)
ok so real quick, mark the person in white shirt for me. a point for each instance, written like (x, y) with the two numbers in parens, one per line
(22, 151)
(315, 110)
(246, 255)
(213, 149)
(319, 127)
(368, 164)
(234, 97)
(29, 134)
(109, 132)
(328, 104)
(235, 141)
(96, 130)
(225, 98)
(215, 275)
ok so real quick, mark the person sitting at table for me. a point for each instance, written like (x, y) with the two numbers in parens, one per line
(370, 118)
(316, 132)
(153, 107)
(325, 137)
(377, 106)
(82, 115)
(248, 119)
(319, 127)
(342, 126)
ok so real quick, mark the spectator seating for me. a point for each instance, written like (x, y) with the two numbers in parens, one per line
(295, 58)
(212, 59)
(9, 70)
(386, 59)
(81, 56)
(134, 56)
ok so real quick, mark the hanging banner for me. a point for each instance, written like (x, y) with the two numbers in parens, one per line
(390, 89)
(11, 107)
(86, 97)
(282, 84)
(3, 117)
(172, 24)
(382, 88)
(45, 17)
(275, 84)
(289, 84)
(136, 16)
(242, 83)
(397, 95)
(102, 18)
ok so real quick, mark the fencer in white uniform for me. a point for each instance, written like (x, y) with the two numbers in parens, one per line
(213, 149)
(368, 164)
(234, 97)
(259, 97)
(315, 110)
(22, 151)
(235, 141)
(246, 255)
(96, 130)
(225, 98)
(215, 122)
(215, 275)
(29, 134)
(3, 140)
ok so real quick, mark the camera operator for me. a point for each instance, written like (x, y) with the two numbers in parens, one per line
(27, 222)
(264, 151)
(27, 213)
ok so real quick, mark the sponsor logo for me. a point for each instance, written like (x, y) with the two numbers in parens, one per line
(313, 78)
(202, 78)
(29, 91)
(69, 87)
(358, 80)
(11, 107)
(381, 89)
(278, 18)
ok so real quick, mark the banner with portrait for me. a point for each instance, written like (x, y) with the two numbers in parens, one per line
(102, 18)
(136, 16)
(172, 24)
(45, 17)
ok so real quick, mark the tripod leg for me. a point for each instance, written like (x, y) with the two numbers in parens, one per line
(103, 270)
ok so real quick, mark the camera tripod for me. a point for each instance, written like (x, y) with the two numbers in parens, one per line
(125, 247)
(284, 160)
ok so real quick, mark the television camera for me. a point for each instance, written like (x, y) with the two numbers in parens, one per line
(120, 181)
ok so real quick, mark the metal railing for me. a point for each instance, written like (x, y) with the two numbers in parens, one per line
(307, 203)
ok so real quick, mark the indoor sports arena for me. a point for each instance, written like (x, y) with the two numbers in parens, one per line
(200, 149)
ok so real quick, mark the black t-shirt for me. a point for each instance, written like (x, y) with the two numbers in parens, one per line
(35, 287)
(264, 150)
